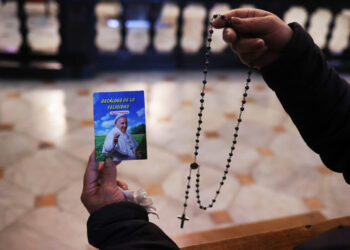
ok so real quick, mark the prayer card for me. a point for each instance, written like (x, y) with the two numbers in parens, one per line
(120, 125)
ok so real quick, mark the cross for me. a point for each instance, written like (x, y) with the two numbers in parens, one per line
(183, 218)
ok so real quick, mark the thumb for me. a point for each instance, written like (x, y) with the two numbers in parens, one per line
(108, 172)
(254, 26)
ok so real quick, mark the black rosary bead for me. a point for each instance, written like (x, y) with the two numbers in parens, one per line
(209, 39)
(197, 191)
(218, 192)
(245, 94)
(224, 177)
(199, 129)
(215, 16)
(213, 200)
(197, 185)
(210, 205)
(226, 172)
(188, 186)
(201, 207)
(200, 114)
(198, 134)
(186, 197)
(242, 108)
(211, 31)
(239, 120)
(234, 142)
(230, 154)
(202, 94)
(197, 140)
(228, 160)
(198, 175)
(198, 196)
(235, 135)
(195, 153)
(232, 148)
(244, 101)
(186, 192)
(246, 87)
(188, 177)
(236, 128)
(204, 82)
(199, 202)
(248, 80)
(185, 205)
(194, 165)
(199, 121)
(221, 183)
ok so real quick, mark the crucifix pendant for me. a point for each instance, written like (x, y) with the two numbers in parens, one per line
(183, 218)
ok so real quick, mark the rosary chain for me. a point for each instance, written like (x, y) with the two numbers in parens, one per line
(194, 165)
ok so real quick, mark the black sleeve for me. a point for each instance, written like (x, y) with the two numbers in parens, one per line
(125, 226)
(316, 98)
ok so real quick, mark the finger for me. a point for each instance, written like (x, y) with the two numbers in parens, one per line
(254, 26)
(250, 58)
(91, 172)
(122, 184)
(266, 59)
(229, 35)
(242, 13)
(108, 172)
(247, 45)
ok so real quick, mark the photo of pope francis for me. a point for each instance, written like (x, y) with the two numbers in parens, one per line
(119, 143)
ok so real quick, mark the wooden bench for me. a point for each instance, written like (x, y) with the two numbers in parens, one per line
(282, 233)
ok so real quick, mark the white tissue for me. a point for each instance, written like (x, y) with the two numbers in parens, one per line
(140, 197)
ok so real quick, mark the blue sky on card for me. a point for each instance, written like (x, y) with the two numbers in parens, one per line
(104, 117)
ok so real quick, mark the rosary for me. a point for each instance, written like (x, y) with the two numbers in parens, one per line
(194, 165)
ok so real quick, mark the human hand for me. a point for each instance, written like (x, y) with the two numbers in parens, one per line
(100, 185)
(116, 136)
(256, 36)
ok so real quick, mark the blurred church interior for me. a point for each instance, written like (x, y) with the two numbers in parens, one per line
(55, 54)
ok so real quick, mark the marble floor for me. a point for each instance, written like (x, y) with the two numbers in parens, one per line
(46, 136)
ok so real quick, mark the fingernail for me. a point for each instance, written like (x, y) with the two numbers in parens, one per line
(261, 43)
(236, 20)
(109, 162)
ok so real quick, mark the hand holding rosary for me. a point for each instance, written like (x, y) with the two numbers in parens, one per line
(194, 165)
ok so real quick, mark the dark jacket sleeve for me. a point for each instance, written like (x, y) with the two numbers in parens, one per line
(316, 98)
(125, 226)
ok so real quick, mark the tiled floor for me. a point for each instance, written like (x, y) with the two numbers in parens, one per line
(46, 136)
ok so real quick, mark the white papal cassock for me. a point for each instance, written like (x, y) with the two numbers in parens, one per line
(124, 149)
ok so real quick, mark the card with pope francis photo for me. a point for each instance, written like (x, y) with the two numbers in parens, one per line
(120, 125)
